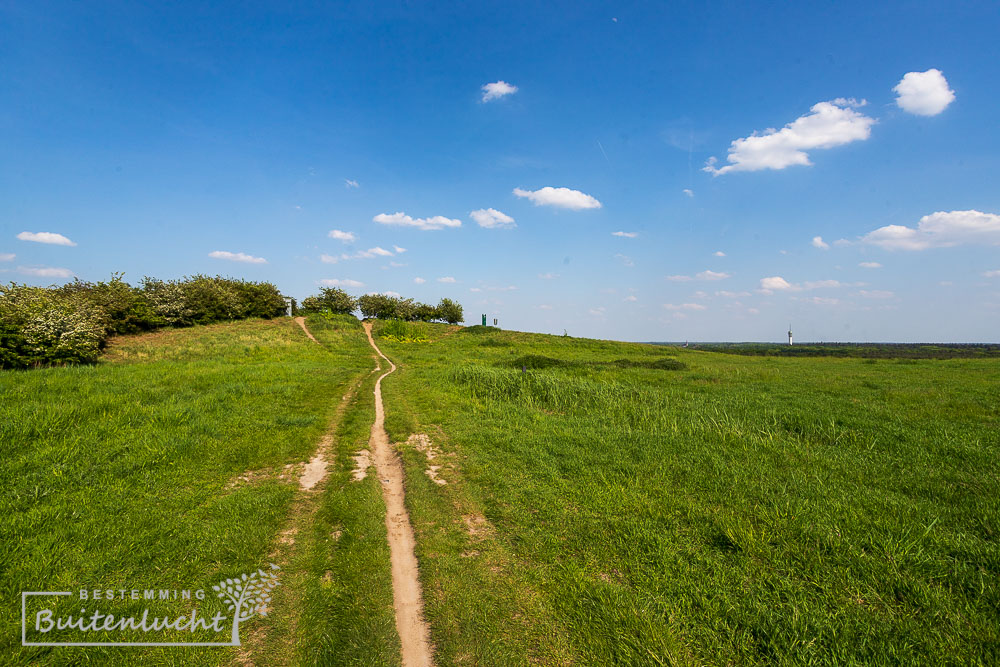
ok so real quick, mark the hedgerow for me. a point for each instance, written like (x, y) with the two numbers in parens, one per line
(72, 323)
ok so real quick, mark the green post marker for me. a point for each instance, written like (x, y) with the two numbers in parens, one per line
(484, 319)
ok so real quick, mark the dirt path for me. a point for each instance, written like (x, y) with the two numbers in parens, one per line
(414, 635)
(302, 323)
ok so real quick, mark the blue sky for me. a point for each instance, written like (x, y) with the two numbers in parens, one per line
(191, 139)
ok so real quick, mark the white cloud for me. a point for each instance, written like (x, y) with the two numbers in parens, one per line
(419, 281)
(685, 306)
(237, 257)
(688, 192)
(348, 183)
(626, 235)
(447, 279)
(939, 230)
(341, 282)
(876, 294)
(544, 306)
(818, 242)
(396, 265)
(719, 253)
(360, 254)
(548, 276)
(346, 237)
(870, 265)
(924, 93)
(490, 218)
(731, 295)
(560, 197)
(45, 237)
(631, 298)
(829, 124)
(7, 256)
(45, 272)
(497, 89)
(625, 259)
(425, 224)
(598, 312)
(679, 279)
(398, 249)
(991, 274)
(775, 283)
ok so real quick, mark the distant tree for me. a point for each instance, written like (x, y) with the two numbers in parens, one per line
(449, 311)
(426, 313)
(330, 299)
(406, 309)
(379, 306)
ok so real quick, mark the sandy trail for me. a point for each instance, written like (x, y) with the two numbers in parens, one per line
(302, 323)
(414, 635)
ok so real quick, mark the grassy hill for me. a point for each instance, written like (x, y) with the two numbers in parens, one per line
(574, 501)
(636, 504)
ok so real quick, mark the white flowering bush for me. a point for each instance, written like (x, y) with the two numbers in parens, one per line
(38, 328)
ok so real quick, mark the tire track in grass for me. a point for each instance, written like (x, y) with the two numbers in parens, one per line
(414, 634)
(312, 477)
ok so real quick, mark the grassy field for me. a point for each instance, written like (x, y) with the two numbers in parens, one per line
(575, 501)
(173, 463)
(631, 504)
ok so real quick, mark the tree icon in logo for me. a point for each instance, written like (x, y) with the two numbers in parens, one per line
(247, 596)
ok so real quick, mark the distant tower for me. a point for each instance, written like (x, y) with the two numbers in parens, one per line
(789, 334)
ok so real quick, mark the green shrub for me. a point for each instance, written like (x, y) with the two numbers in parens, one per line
(124, 309)
(203, 300)
(330, 299)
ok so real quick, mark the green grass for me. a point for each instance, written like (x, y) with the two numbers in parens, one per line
(637, 504)
(120, 474)
(340, 579)
(606, 503)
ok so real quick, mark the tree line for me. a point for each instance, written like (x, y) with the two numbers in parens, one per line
(381, 306)
(72, 323)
